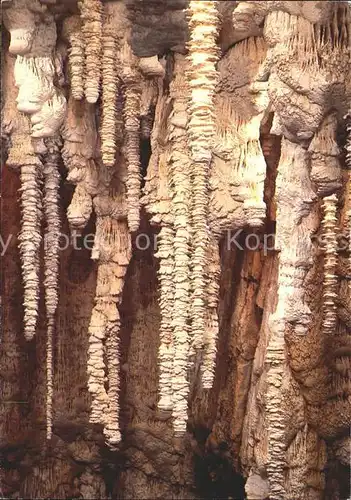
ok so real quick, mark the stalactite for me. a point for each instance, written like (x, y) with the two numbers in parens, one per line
(168, 339)
(148, 102)
(78, 153)
(157, 200)
(325, 164)
(34, 74)
(131, 112)
(348, 201)
(179, 166)
(109, 87)
(91, 14)
(211, 327)
(202, 75)
(329, 228)
(151, 67)
(72, 31)
(30, 240)
(20, 19)
(112, 250)
(51, 262)
(292, 316)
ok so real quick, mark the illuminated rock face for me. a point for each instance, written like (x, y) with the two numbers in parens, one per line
(180, 126)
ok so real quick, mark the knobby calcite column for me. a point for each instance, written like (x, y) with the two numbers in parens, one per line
(202, 77)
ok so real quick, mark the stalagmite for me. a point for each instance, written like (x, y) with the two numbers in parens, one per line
(329, 228)
(51, 262)
(72, 31)
(91, 14)
(202, 77)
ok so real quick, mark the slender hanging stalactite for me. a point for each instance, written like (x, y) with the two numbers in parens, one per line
(30, 240)
(131, 113)
(109, 87)
(166, 352)
(211, 327)
(51, 263)
(179, 166)
(348, 190)
(202, 75)
(91, 14)
(330, 282)
(72, 30)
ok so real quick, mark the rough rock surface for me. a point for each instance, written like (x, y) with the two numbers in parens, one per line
(276, 344)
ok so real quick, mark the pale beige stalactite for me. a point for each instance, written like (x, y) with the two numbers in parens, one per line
(131, 77)
(330, 282)
(157, 194)
(211, 326)
(91, 15)
(239, 168)
(109, 86)
(35, 72)
(114, 253)
(72, 31)
(131, 112)
(112, 250)
(202, 76)
(115, 27)
(148, 103)
(166, 352)
(79, 151)
(296, 221)
(179, 165)
(348, 191)
(22, 156)
(51, 262)
(30, 240)
(325, 157)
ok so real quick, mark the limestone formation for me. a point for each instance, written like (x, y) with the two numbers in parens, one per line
(72, 31)
(202, 75)
(219, 134)
(51, 262)
(91, 15)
